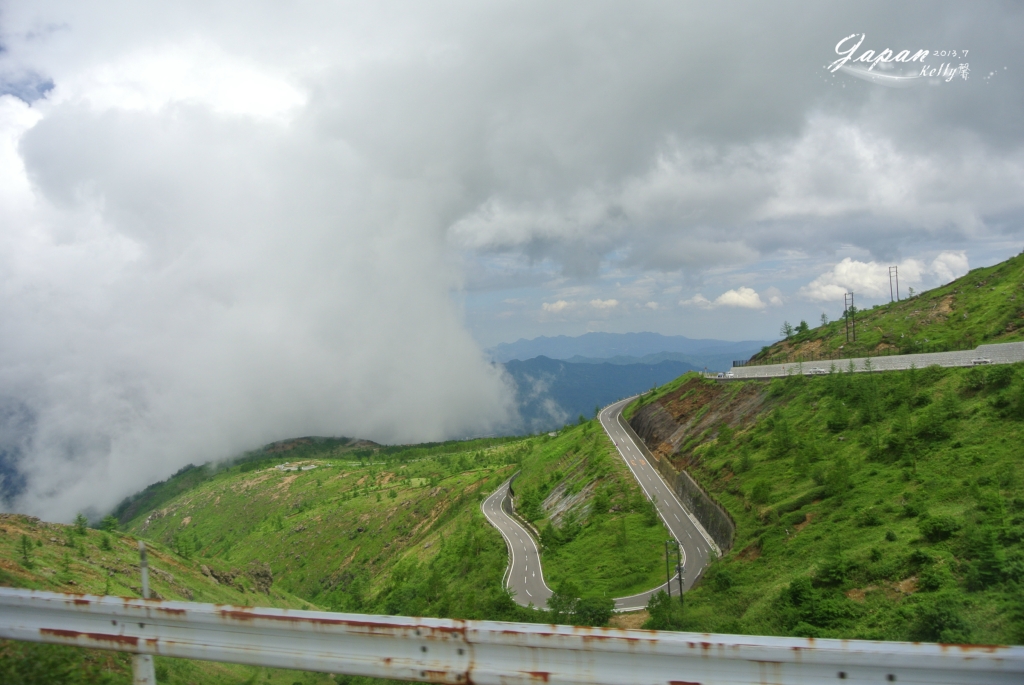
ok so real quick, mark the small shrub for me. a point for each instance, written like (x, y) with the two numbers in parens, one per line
(938, 528)
(745, 463)
(939, 618)
(794, 518)
(593, 611)
(919, 559)
(890, 536)
(868, 517)
(934, 578)
(761, 491)
(999, 376)
(974, 379)
(666, 612)
(837, 479)
(81, 523)
(833, 571)
(722, 581)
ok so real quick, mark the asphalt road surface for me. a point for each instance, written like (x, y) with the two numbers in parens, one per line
(696, 543)
(525, 576)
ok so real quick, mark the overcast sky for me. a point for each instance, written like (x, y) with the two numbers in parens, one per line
(225, 223)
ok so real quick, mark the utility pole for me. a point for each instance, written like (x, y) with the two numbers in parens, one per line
(669, 544)
(679, 570)
(850, 314)
(668, 572)
(894, 273)
(142, 664)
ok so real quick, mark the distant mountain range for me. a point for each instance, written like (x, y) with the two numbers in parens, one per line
(713, 362)
(552, 392)
(605, 346)
(559, 378)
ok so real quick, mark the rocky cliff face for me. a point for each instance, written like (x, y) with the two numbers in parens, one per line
(674, 424)
(696, 412)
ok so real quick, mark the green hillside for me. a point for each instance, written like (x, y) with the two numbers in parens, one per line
(984, 306)
(50, 556)
(597, 528)
(354, 535)
(372, 529)
(375, 535)
(878, 506)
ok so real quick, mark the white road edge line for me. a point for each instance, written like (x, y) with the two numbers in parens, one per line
(696, 523)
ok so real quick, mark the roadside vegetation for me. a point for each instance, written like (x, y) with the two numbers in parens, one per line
(877, 506)
(984, 306)
(74, 558)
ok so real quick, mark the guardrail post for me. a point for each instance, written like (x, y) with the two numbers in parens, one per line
(143, 672)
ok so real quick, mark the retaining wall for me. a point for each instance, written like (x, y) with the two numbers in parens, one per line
(712, 515)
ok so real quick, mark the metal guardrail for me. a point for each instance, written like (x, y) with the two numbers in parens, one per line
(482, 652)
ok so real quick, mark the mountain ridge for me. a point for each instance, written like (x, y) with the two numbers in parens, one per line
(606, 345)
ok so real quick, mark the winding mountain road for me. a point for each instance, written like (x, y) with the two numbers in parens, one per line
(525, 576)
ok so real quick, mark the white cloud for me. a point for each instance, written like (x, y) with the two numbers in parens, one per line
(651, 305)
(949, 266)
(557, 306)
(747, 298)
(604, 304)
(697, 300)
(195, 72)
(871, 279)
(742, 297)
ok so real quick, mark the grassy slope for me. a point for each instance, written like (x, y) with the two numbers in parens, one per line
(398, 531)
(606, 540)
(345, 534)
(984, 306)
(357, 536)
(61, 560)
(883, 506)
(426, 551)
(190, 476)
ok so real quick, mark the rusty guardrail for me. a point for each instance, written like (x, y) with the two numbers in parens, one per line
(483, 652)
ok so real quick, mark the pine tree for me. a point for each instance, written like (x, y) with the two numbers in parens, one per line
(25, 547)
